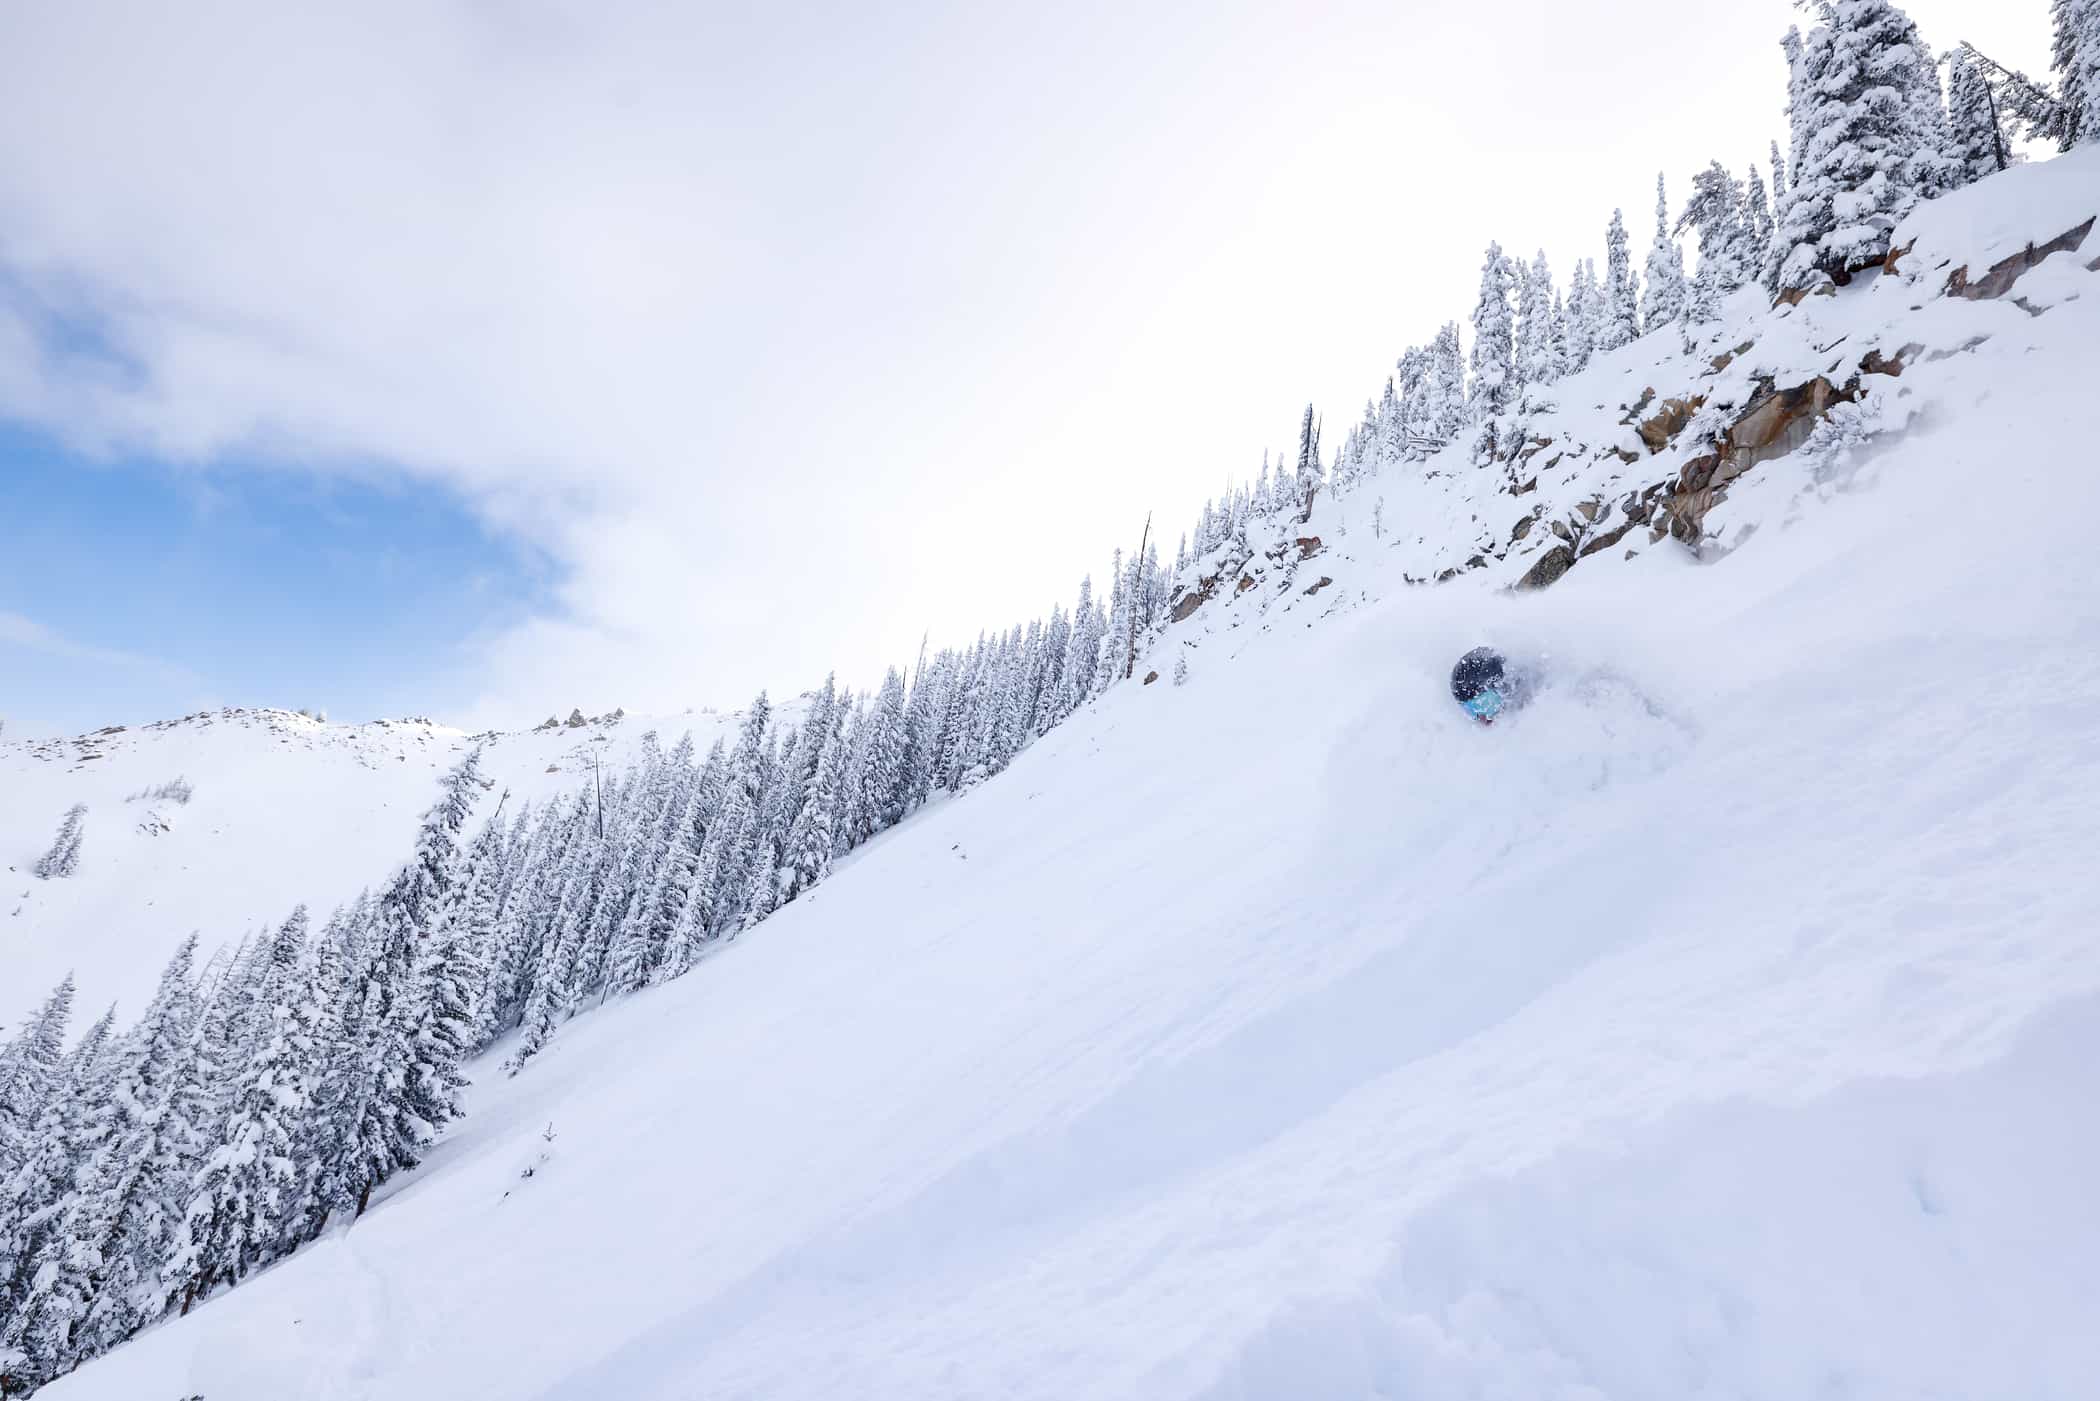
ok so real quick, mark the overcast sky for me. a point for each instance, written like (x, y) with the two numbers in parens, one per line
(480, 360)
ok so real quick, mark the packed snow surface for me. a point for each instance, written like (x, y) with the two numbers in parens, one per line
(1722, 1025)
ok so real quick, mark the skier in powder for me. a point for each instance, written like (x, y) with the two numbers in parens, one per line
(1486, 686)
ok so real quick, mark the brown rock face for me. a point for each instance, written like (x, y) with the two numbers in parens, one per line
(1195, 598)
(1794, 296)
(1150, 677)
(2002, 275)
(1324, 582)
(1550, 566)
(1774, 425)
(1667, 422)
(1607, 539)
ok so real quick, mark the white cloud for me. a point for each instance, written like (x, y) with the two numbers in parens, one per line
(19, 631)
(792, 331)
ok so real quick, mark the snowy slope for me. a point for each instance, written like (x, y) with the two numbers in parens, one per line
(1721, 1026)
(284, 809)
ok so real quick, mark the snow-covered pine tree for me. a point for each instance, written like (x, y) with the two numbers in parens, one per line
(560, 915)
(1976, 139)
(1493, 384)
(1305, 482)
(1057, 643)
(402, 1102)
(1535, 324)
(1757, 221)
(758, 858)
(333, 976)
(63, 858)
(882, 788)
(1715, 212)
(452, 971)
(1868, 121)
(1663, 303)
(1621, 321)
(1448, 383)
(813, 838)
(31, 1070)
(514, 950)
(39, 1198)
(2087, 63)
(240, 1202)
(1391, 447)
(1108, 662)
(1558, 351)
(117, 1228)
(1581, 319)
(2074, 53)
(1079, 655)
(1778, 175)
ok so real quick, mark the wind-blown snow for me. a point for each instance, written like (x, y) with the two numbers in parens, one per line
(1719, 1026)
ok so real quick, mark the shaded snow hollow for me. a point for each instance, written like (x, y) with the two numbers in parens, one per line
(1721, 1026)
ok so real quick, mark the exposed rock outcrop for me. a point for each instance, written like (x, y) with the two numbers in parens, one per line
(2005, 272)
(1549, 567)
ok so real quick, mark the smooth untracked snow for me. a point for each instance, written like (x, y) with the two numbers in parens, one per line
(1721, 1026)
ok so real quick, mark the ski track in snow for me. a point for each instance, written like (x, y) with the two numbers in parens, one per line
(1721, 1026)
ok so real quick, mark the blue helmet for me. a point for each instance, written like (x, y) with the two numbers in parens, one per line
(1478, 670)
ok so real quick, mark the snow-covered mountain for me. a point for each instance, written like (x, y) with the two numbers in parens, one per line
(1721, 1025)
(280, 808)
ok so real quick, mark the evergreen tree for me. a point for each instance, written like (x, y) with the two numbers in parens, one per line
(1444, 392)
(813, 839)
(1306, 485)
(1664, 303)
(1976, 137)
(406, 1095)
(565, 898)
(1493, 383)
(1621, 321)
(1581, 321)
(64, 856)
(1392, 428)
(242, 1196)
(2074, 54)
(1108, 662)
(332, 977)
(39, 1304)
(1869, 132)
(31, 1067)
(1757, 223)
(100, 1280)
(1561, 359)
(1535, 324)
(513, 945)
(1715, 211)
